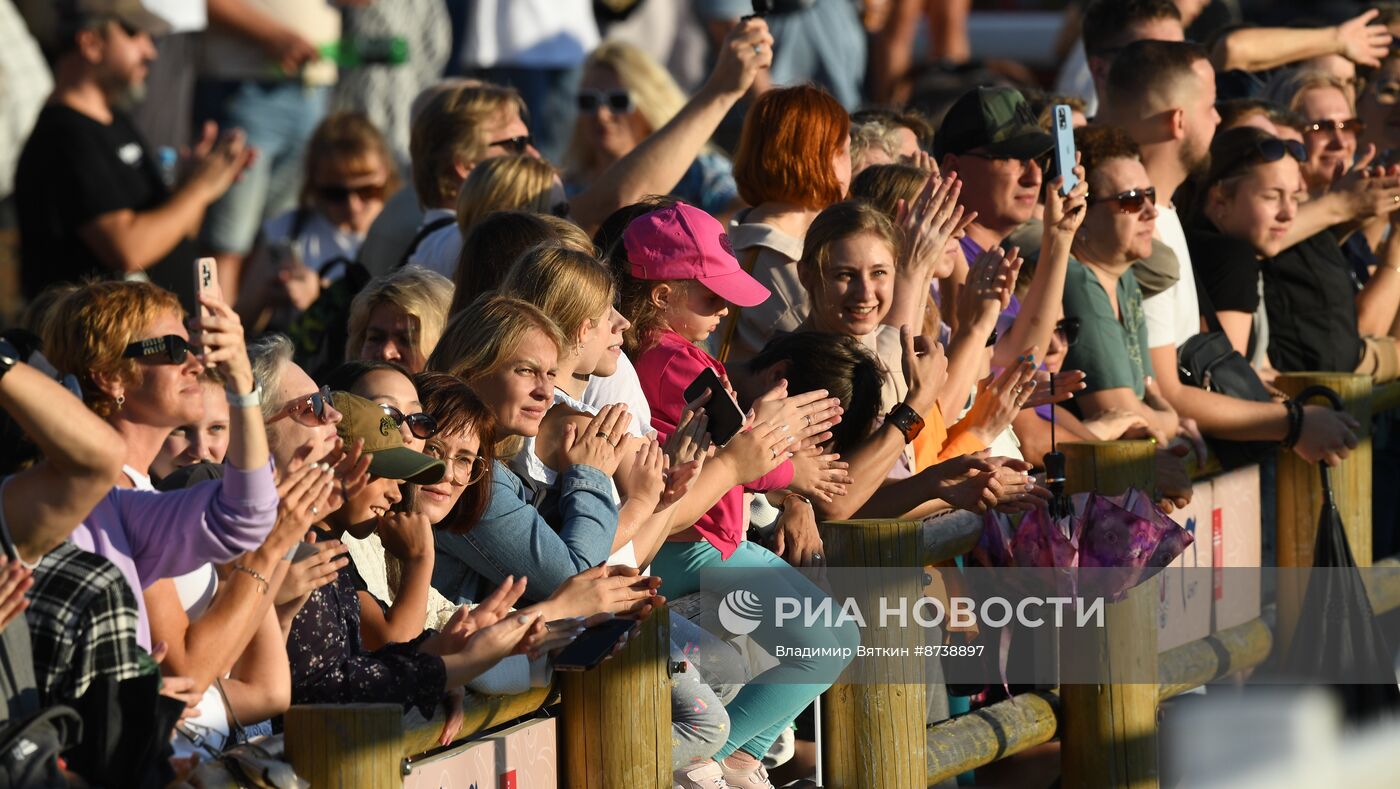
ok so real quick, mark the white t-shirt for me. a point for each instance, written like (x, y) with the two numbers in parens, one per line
(623, 386)
(440, 249)
(184, 16)
(1174, 315)
(320, 240)
(529, 33)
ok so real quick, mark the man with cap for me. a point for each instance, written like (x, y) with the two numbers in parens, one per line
(91, 197)
(990, 138)
(328, 660)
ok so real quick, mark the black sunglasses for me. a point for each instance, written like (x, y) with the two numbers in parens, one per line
(340, 193)
(618, 101)
(170, 349)
(421, 425)
(516, 145)
(1068, 330)
(1129, 202)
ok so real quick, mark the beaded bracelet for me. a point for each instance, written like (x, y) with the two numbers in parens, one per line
(257, 576)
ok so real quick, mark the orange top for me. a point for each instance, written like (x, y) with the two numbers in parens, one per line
(937, 443)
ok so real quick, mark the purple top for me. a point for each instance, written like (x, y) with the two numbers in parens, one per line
(150, 535)
(971, 251)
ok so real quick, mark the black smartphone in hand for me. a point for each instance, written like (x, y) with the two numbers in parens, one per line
(726, 418)
(592, 646)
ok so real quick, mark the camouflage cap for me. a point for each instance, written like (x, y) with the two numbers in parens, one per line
(389, 458)
(995, 121)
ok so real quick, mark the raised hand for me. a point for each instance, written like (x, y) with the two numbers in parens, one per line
(746, 51)
(1065, 213)
(351, 467)
(925, 369)
(596, 444)
(644, 479)
(987, 292)
(407, 536)
(313, 572)
(616, 590)
(303, 492)
(1000, 399)
(819, 475)
(758, 450)
(1364, 41)
(1067, 382)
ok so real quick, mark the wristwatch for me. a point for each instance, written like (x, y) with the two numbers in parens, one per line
(906, 420)
(9, 357)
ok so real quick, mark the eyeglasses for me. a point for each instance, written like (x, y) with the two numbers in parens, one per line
(618, 101)
(313, 410)
(1349, 125)
(475, 466)
(1129, 202)
(340, 193)
(1067, 329)
(420, 424)
(516, 145)
(170, 349)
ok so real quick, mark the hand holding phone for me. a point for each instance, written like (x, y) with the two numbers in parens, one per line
(1063, 133)
(725, 417)
(593, 646)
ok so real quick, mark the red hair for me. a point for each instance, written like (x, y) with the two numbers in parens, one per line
(790, 137)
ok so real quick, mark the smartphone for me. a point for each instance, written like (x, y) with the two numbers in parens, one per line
(1064, 147)
(592, 646)
(206, 280)
(304, 551)
(726, 418)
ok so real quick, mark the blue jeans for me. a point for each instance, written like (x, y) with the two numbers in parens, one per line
(770, 701)
(278, 117)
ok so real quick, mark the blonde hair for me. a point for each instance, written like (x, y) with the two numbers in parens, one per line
(504, 183)
(87, 331)
(423, 294)
(447, 133)
(837, 222)
(884, 185)
(481, 338)
(657, 96)
(571, 287)
(1288, 87)
(871, 135)
(498, 240)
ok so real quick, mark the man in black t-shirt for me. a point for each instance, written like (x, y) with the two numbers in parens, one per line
(90, 195)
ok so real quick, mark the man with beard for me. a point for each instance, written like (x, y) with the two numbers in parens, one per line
(91, 197)
(1163, 94)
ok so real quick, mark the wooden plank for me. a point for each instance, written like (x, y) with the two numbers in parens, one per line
(1300, 495)
(479, 714)
(358, 746)
(991, 733)
(1213, 657)
(1110, 728)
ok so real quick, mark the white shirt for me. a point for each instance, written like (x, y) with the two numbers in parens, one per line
(529, 33)
(184, 16)
(320, 240)
(440, 249)
(623, 386)
(1174, 315)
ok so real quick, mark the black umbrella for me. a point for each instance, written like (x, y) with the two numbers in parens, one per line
(1337, 634)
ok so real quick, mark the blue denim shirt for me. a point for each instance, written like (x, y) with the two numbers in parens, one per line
(514, 539)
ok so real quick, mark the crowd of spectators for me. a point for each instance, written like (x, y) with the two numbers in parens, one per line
(429, 421)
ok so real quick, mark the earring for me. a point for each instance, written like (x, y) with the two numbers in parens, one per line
(121, 400)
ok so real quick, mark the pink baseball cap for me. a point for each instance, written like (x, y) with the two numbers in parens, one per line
(683, 242)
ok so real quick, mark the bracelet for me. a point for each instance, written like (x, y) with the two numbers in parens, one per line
(805, 500)
(1295, 423)
(257, 576)
(251, 400)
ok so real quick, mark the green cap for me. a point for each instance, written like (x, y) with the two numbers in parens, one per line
(389, 458)
(996, 121)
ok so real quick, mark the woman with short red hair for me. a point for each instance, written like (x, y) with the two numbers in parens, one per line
(794, 159)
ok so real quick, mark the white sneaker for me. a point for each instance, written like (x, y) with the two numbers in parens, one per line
(701, 775)
(755, 779)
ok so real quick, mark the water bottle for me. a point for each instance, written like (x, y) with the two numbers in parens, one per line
(349, 53)
(168, 160)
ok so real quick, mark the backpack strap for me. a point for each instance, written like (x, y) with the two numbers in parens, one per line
(423, 232)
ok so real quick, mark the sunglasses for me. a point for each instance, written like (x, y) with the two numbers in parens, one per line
(340, 193)
(516, 145)
(618, 101)
(1068, 331)
(311, 411)
(1043, 162)
(1129, 202)
(1351, 125)
(421, 425)
(170, 349)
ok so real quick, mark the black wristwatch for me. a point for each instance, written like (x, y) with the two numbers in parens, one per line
(9, 357)
(906, 420)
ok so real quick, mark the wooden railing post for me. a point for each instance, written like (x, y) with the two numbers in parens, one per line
(617, 717)
(874, 732)
(1300, 495)
(1109, 732)
(357, 746)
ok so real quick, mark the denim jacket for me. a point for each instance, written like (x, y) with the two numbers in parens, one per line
(512, 537)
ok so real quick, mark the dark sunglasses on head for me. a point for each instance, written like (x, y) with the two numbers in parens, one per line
(421, 425)
(340, 193)
(1352, 125)
(1131, 201)
(516, 145)
(311, 411)
(170, 349)
(1068, 330)
(618, 101)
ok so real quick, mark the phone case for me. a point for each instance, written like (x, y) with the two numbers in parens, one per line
(1064, 147)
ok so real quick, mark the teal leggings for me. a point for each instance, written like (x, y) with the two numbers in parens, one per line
(769, 702)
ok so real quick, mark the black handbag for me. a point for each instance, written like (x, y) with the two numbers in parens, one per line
(1208, 361)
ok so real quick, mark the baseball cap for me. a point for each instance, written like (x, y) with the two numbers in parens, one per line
(389, 458)
(683, 242)
(996, 120)
(52, 21)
